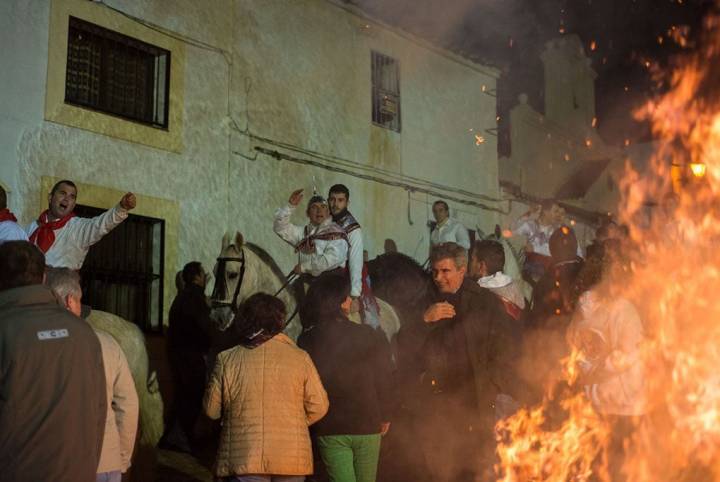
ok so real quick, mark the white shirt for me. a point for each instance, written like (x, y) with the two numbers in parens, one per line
(73, 240)
(355, 262)
(327, 255)
(11, 231)
(539, 235)
(448, 231)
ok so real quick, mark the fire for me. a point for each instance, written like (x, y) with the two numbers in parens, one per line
(670, 272)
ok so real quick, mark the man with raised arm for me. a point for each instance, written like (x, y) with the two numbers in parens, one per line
(65, 238)
(321, 245)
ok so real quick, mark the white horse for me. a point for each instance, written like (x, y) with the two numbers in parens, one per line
(132, 343)
(244, 269)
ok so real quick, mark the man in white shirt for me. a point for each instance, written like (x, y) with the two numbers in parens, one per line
(338, 198)
(10, 230)
(321, 245)
(447, 230)
(487, 261)
(363, 300)
(64, 238)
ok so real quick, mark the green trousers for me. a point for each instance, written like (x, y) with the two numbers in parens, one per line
(350, 458)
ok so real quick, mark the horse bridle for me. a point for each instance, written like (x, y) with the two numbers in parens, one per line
(222, 261)
(233, 304)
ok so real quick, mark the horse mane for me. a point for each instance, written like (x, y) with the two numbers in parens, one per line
(400, 280)
(394, 262)
(274, 267)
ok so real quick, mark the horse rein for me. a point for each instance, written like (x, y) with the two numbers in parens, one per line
(292, 276)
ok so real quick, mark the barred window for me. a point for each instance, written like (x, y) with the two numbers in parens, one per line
(123, 272)
(116, 74)
(385, 91)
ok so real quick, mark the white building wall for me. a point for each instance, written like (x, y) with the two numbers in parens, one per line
(295, 72)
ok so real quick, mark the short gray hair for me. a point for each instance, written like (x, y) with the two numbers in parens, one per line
(64, 282)
(449, 250)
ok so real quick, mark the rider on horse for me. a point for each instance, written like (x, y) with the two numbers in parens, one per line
(321, 245)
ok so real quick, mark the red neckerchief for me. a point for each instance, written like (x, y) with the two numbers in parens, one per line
(6, 215)
(44, 236)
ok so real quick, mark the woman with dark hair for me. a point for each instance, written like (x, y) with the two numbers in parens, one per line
(354, 365)
(268, 392)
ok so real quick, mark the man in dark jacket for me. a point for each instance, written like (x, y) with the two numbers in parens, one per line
(470, 366)
(52, 383)
(187, 345)
(555, 295)
(354, 365)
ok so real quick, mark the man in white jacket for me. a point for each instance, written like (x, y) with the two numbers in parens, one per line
(122, 401)
(64, 238)
(321, 245)
(447, 229)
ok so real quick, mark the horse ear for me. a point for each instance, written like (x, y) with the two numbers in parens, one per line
(239, 240)
(226, 241)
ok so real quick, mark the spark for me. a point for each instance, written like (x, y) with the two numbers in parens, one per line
(479, 139)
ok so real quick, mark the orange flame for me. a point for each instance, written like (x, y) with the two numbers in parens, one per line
(671, 274)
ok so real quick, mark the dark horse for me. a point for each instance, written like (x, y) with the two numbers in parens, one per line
(401, 281)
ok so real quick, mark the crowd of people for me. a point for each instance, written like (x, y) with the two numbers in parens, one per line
(319, 407)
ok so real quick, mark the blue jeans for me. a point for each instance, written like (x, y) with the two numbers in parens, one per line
(264, 478)
(114, 476)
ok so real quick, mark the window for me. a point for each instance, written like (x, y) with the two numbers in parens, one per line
(116, 74)
(123, 272)
(385, 91)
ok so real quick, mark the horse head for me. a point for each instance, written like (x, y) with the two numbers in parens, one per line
(229, 271)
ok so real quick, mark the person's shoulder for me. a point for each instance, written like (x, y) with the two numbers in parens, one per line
(472, 288)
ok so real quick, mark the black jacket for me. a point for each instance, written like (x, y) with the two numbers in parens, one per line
(473, 357)
(355, 368)
(189, 324)
(555, 296)
(52, 390)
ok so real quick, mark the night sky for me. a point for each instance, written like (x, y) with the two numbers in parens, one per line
(620, 36)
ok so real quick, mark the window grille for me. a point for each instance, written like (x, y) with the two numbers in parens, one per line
(123, 272)
(116, 74)
(385, 91)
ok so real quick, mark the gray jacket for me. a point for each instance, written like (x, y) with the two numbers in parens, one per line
(52, 390)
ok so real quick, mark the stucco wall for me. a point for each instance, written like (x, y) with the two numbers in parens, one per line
(296, 72)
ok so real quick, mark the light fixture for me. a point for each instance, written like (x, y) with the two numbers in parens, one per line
(698, 169)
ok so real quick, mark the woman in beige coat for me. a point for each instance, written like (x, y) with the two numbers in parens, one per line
(268, 393)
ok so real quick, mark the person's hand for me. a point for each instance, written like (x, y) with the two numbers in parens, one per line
(384, 428)
(355, 305)
(128, 201)
(297, 269)
(439, 311)
(296, 197)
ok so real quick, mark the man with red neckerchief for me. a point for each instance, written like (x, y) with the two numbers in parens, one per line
(65, 238)
(10, 230)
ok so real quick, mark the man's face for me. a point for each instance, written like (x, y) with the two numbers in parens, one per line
(62, 201)
(440, 213)
(318, 212)
(557, 214)
(338, 201)
(202, 278)
(478, 268)
(447, 276)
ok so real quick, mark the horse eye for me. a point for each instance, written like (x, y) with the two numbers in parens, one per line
(232, 275)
